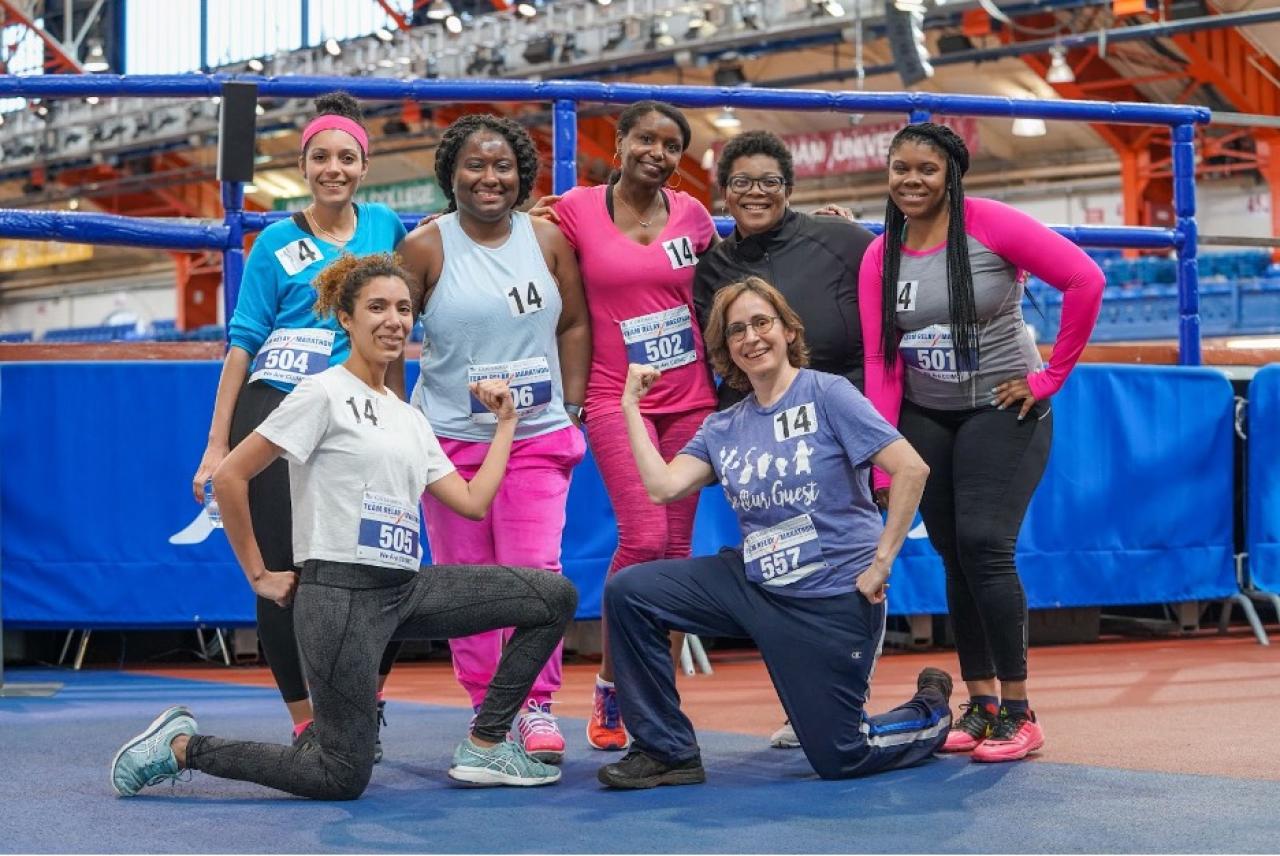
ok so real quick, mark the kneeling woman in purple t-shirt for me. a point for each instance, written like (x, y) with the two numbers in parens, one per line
(808, 583)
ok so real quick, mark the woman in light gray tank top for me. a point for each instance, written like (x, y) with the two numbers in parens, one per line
(500, 296)
(950, 361)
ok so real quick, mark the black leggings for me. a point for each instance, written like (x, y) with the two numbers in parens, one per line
(346, 615)
(271, 510)
(984, 467)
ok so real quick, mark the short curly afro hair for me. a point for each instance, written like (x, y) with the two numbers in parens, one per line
(755, 143)
(457, 134)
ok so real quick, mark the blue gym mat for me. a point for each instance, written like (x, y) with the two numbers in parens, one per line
(55, 795)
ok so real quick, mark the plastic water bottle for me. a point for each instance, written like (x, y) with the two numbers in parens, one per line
(211, 505)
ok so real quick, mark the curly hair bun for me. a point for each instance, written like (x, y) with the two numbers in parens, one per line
(339, 104)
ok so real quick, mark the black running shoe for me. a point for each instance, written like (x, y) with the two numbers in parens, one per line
(936, 680)
(638, 770)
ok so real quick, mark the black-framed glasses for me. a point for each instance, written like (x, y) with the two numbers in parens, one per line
(762, 324)
(770, 184)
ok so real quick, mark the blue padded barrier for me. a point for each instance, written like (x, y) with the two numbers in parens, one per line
(98, 457)
(1135, 506)
(1263, 507)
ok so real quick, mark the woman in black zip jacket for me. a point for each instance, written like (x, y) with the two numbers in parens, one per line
(812, 260)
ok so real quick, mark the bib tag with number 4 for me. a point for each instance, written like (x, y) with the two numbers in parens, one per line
(663, 339)
(529, 380)
(680, 252)
(288, 356)
(298, 255)
(908, 290)
(795, 422)
(389, 535)
(783, 553)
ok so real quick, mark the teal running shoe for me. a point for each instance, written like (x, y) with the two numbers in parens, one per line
(504, 764)
(148, 759)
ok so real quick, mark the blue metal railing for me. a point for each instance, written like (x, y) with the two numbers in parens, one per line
(564, 97)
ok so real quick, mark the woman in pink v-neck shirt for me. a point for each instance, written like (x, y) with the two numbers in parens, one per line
(637, 242)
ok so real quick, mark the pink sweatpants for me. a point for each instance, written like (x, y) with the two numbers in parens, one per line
(523, 528)
(646, 532)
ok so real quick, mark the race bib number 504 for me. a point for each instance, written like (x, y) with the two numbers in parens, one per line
(289, 356)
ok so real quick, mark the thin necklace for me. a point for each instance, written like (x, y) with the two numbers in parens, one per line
(644, 224)
(315, 224)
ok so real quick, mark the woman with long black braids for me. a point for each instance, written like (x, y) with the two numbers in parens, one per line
(950, 362)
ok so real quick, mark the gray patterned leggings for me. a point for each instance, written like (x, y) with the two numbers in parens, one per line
(344, 616)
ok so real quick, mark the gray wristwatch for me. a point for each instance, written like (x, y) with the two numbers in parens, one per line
(575, 410)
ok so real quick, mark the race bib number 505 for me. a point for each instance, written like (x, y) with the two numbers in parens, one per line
(389, 534)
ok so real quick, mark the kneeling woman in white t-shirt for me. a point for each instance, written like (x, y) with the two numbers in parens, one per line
(359, 458)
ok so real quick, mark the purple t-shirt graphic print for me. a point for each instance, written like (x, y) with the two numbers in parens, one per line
(795, 474)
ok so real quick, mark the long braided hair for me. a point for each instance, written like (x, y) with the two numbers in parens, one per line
(960, 301)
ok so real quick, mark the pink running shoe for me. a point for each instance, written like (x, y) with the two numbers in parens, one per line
(539, 733)
(971, 729)
(1012, 739)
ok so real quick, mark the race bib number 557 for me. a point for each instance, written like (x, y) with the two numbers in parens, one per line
(783, 553)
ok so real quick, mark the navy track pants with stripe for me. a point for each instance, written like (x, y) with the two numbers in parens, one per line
(820, 653)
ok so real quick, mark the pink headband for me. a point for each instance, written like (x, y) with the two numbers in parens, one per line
(331, 122)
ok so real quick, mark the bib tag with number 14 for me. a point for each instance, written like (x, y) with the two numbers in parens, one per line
(795, 422)
(680, 252)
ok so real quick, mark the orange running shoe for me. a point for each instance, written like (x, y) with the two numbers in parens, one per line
(605, 729)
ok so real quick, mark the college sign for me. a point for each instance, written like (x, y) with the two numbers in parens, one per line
(864, 148)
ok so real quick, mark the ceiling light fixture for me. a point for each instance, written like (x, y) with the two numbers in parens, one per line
(1029, 127)
(439, 10)
(96, 59)
(1059, 71)
(727, 120)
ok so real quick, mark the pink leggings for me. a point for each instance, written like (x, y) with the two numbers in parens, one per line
(523, 528)
(646, 532)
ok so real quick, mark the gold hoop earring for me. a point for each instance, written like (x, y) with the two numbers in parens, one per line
(676, 185)
(617, 160)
